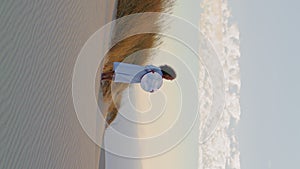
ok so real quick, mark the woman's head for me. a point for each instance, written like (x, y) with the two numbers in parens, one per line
(168, 72)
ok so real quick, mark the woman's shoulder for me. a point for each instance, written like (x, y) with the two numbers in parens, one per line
(149, 68)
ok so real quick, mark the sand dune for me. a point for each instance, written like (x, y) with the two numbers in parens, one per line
(40, 41)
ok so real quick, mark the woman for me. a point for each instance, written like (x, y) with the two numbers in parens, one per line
(147, 75)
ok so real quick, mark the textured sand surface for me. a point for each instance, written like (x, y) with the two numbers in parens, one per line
(40, 41)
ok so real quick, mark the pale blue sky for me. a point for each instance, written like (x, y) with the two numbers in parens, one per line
(269, 129)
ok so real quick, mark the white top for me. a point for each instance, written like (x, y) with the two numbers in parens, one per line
(131, 73)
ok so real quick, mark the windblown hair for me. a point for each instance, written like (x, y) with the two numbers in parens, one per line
(130, 45)
(168, 70)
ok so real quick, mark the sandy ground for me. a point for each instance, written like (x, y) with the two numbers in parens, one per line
(40, 42)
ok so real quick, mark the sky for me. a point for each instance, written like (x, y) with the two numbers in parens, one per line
(269, 129)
